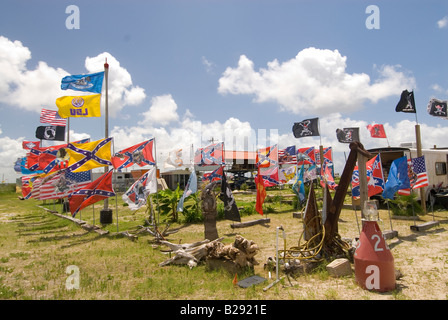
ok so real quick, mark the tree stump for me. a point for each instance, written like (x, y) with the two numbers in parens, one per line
(209, 211)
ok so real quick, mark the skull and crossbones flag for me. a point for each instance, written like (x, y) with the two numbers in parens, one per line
(306, 128)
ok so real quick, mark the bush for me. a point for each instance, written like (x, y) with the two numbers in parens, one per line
(405, 205)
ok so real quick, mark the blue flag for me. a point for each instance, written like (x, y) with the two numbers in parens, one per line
(192, 187)
(84, 82)
(298, 187)
(397, 179)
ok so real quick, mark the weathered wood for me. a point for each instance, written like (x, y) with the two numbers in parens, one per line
(425, 226)
(209, 211)
(250, 223)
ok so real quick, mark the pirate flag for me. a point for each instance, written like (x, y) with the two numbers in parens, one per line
(406, 103)
(306, 128)
(437, 108)
(347, 135)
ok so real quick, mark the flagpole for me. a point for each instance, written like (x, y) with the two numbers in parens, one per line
(68, 129)
(106, 209)
(157, 183)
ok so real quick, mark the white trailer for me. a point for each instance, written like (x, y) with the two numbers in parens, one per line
(436, 160)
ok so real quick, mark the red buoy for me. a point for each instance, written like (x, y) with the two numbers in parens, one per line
(373, 261)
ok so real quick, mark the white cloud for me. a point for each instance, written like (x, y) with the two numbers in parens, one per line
(121, 91)
(209, 65)
(313, 80)
(30, 89)
(163, 110)
(443, 23)
(19, 86)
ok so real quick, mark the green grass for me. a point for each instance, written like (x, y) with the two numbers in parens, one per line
(36, 247)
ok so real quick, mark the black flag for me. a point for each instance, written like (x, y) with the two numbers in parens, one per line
(231, 211)
(406, 103)
(437, 108)
(347, 135)
(306, 128)
(50, 133)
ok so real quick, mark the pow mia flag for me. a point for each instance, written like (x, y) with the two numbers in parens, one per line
(306, 128)
(406, 103)
(50, 133)
(347, 135)
(437, 108)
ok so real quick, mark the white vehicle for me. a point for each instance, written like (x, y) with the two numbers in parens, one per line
(435, 160)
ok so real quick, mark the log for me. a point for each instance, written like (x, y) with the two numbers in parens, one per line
(250, 223)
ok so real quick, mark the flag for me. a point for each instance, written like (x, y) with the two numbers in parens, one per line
(376, 130)
(86, 156)
(397, 179)
(406, 103)
(287, 155)
(327, 177)
(299, 187)
(418, 177)
(190, 188)
(375, 178)
(136, 196)
(210, 155)
(328, 155)
(95, 191)
(231, 211)
(35, 183)
(306, 156)
(52, 117)
(306, 128)
(26, 188)
(61, 183)
(267, 157)
(311, 173)
(140, 154)
(261, 193)
(287, 174)
(174, 159)
(84, 82)
(437, 108)
(79, 106)
(28, 145)
(216, 175)
(347, 135)
(270, 176)
(21, 166)
(50, 133)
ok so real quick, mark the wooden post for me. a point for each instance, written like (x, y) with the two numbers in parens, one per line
(362, 181)
(419, 154)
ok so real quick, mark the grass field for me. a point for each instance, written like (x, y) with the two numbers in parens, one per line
(37, 248)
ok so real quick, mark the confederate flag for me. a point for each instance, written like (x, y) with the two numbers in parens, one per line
(97, 190)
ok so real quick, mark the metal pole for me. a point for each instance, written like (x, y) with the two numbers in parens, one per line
(106, 133)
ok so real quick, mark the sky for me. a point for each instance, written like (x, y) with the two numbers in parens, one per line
(189, 72)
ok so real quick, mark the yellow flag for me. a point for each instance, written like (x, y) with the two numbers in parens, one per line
(86, 156)
(79, 106)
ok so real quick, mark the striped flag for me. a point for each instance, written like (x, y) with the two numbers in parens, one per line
(417, 175)
(62, 183)
(287, 155)
(52, 117)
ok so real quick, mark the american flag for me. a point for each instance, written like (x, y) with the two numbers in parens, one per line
(417, 174)
(52, 117)
(62, 183)
(287, 155)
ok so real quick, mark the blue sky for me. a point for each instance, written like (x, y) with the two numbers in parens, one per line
(176, 66)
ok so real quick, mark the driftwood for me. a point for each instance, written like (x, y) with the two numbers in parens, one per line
(250, 223)
(189, 254)
(209, 211)
(242, 252)
(154, 231)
